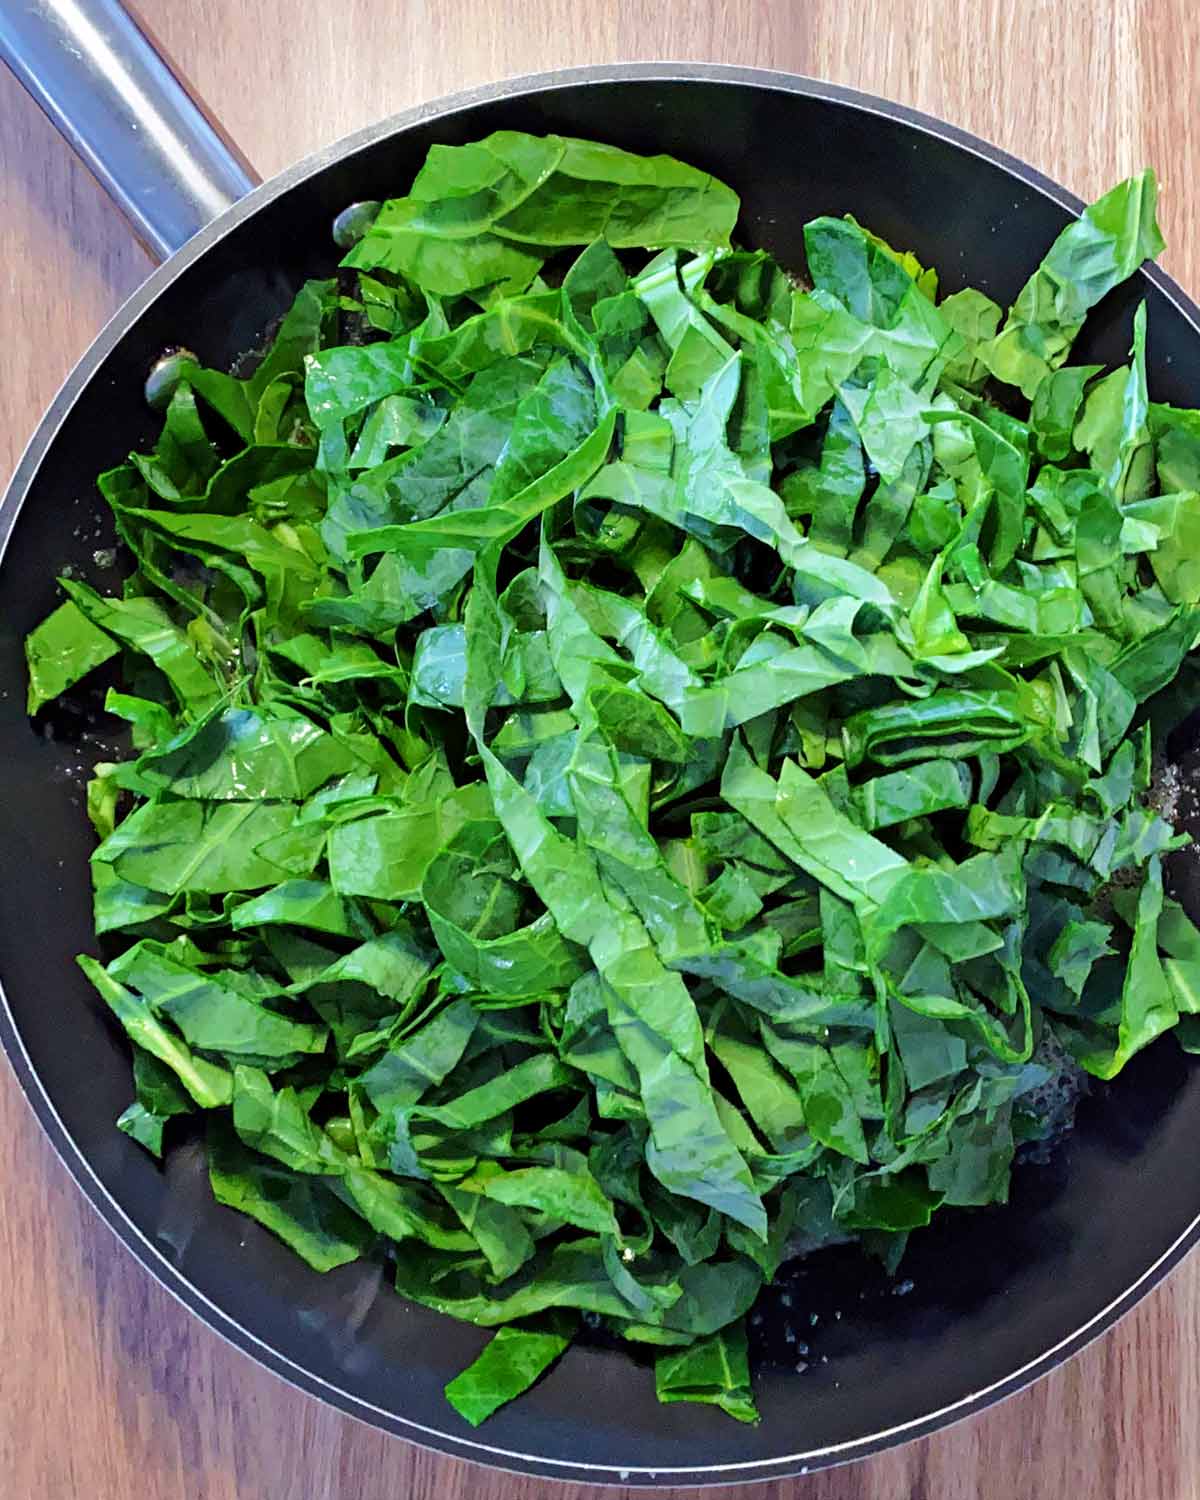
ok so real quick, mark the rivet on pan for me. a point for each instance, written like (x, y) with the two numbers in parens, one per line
(164, 377)
(353, 222)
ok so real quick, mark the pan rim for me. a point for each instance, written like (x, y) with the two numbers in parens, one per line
(72, 1155)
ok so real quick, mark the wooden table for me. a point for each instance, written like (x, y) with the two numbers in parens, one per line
(108, 1389)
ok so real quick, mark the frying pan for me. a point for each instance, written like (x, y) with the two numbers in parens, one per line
(990, 1299)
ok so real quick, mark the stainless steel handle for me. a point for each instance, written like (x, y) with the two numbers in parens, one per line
(122, 107)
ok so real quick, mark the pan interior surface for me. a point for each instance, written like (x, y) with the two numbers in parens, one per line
(988, 1299)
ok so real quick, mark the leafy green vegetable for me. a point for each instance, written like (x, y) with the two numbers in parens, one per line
(63, 649)
(635, 764)
(213, 1010)
(304, 1212)
(513, 1359)
(158, 1097)
(714, 1371)
(1091, 256)
(490, 212)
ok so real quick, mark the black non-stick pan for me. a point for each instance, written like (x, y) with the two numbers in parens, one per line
(991, 1299)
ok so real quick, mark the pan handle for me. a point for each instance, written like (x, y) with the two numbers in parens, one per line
(121, 105)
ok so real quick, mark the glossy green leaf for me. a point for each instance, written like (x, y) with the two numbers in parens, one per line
(639, 770)
(512, 1361)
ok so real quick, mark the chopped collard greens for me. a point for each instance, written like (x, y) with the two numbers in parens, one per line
(640, 755)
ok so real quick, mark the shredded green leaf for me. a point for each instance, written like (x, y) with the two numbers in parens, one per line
(640, 763)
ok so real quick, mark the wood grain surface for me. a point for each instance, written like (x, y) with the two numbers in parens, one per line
(108, 1389)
